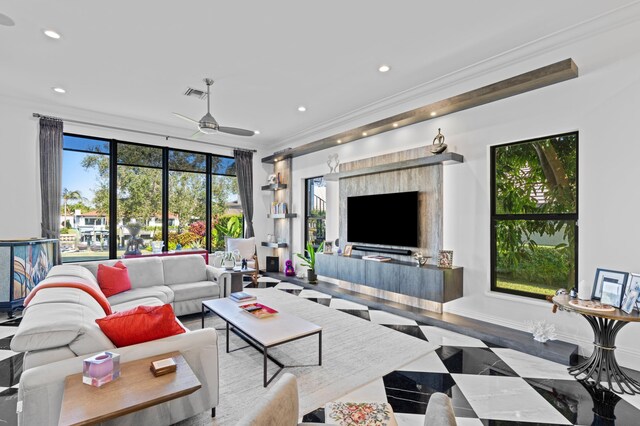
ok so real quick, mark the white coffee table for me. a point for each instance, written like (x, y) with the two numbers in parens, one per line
(263, 333)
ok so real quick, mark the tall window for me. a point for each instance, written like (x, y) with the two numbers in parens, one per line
(315, 211)
(121, 197)
(534, 215)
(84, 213)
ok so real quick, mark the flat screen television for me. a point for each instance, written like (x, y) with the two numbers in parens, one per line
(385, 219)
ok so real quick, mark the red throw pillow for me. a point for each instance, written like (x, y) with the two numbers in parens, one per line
(113, 279)
(141, 324)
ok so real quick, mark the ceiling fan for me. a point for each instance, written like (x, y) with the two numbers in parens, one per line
(208, 125)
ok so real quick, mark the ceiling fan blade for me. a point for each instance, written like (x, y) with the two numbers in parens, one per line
(186, 118)
(236, 131)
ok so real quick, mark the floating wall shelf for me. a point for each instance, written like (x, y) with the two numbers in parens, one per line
(282, 216)
(526, 82)
(274, 245)
(274, 187)
(447, 157)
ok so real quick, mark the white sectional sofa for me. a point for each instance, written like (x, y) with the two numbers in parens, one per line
(58, 331)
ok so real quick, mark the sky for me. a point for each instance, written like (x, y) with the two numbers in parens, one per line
(77, 178)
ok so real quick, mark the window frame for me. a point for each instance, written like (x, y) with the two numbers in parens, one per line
(113, 185)
(494, 217)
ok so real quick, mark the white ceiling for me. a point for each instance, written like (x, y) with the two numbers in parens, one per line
(136, 58)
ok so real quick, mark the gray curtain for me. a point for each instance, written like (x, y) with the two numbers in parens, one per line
(51, 177)
(244, 172)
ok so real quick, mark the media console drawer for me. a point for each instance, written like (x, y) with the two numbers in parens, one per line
(428, 282)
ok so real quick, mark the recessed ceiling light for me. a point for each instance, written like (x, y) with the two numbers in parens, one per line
(302, 108)
(364, 133)
(433, 114)
(395, 124)
(256, 132)
(51, 34)
(384, 68)
(59, 90)
(275, 160)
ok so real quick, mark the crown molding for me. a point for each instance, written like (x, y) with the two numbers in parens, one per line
(399, 102)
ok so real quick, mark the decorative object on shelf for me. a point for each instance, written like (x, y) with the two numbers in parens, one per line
(163, 366)
(278, 181)
(348, 249)
(288, 268)
(23, 264)
(101, 369)
(634, 285)
(272, 179)
(244, 264)
(218, 257)
(309, 259)
(612, 292)
(629, 301)
(328, 247)
(584, 290)
(542, 331)
(333, 162)
(229, 260)
(279, 208)
(273, 264)
(591, 305)
(421, 259)
(438, 146)
(445, 259)
(601, 274)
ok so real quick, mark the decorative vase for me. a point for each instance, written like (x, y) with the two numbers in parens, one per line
(311, 276)
(217, 259)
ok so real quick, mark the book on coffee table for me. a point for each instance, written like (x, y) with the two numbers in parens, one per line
(258, 310)
(241, 296)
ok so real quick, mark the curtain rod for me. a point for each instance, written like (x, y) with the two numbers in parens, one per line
(167, 137)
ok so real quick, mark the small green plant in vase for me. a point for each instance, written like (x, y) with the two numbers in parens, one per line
(309, 258)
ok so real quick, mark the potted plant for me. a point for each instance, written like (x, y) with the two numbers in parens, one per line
(309, 259)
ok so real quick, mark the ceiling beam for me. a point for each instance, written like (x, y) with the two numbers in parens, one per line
(532, 80)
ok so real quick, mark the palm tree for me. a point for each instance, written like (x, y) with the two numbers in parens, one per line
(70, 196)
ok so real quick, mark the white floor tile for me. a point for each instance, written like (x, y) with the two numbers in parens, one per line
(631, 399)
(7, 331)
(443, 337)
(404, 419)
(371, 392)
(2, 389)
(283, 285)
(382, 317)
(346, 304)
(268, 280)
(531, 366)
(506, 398)
(6, 354)
(430, 363)
(312, 294)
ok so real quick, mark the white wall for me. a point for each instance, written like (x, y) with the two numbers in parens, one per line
(603, 104)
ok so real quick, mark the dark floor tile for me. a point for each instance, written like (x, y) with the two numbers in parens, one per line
(314, 416)
(360, 313)
(10, 370)
(492, 345)
(489, 422)
(290, 291)
(322, 300)
(14, 322)
(583, 403)
(473, 361)
(8, 403)
(409, 392)
(6, 343)
(411, 330)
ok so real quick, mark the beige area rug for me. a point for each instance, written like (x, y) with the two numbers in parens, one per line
(354, 352)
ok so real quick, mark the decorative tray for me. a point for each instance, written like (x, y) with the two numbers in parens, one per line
(258, 310)
(591, 305)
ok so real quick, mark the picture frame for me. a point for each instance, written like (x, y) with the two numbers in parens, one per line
(328, 247)
(617, 276)
(630, 300)
(612, 292)
(347, 250)
(633, 284)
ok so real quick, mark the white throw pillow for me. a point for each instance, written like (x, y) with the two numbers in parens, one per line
(246, 246)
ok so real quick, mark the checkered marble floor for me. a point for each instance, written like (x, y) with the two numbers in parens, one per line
(488, 385)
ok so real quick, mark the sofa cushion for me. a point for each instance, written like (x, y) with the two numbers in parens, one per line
(184, 269)
(97, 294)
(73, 271)
(161, 292)
(195, 290)
(143, 272)
(140, 324)
(113, 279)
(147, 301)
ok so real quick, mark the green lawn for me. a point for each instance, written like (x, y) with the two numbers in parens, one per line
(545, 290)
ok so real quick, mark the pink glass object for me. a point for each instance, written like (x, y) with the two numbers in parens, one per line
(101, 368)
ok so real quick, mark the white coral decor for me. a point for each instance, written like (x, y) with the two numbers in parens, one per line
(542, 331)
